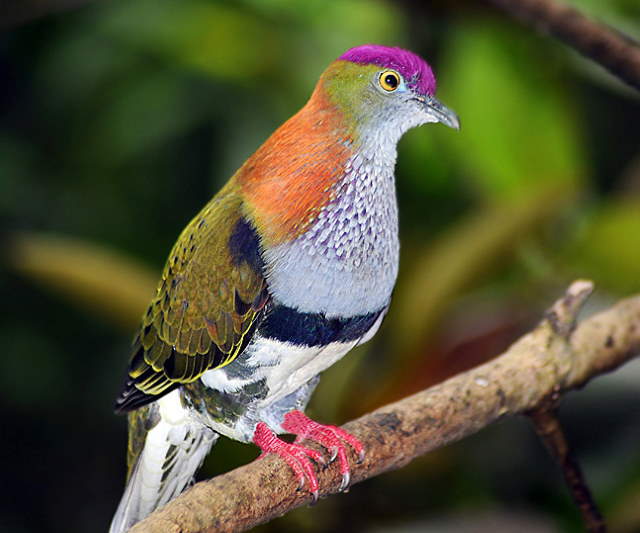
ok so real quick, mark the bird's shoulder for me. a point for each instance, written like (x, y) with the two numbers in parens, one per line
(210, 297)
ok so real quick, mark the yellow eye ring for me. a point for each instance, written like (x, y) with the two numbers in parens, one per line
(389, 80)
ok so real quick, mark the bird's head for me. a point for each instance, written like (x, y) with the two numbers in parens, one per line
(384, 90)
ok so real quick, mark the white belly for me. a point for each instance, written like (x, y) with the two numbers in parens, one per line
(297, 364)
(284, 366)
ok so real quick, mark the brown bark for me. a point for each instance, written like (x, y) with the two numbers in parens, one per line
(549, 429)
(614, 51)
(555, 357)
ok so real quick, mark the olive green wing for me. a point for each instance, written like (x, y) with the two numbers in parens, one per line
(211, 297)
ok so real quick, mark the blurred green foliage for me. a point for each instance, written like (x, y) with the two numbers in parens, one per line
(120, 119)
(509, 152)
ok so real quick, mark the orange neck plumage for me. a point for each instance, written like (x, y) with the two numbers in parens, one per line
(288, 180)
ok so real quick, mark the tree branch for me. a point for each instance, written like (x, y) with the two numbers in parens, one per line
(547, 424)
(617, 53)
(554, 358)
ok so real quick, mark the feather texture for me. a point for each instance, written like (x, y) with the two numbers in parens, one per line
(166, 449)
(292, 176)
(211, 295)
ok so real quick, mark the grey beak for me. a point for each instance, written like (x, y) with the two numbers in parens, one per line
(441, 112)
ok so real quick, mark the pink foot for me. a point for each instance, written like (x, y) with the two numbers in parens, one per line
(296, 456)
(331, 437)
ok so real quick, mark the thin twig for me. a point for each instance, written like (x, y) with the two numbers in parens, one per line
(617, 53)
(537, 365)
(549, 429)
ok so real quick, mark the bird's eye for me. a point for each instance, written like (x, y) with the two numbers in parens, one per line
(389, 80)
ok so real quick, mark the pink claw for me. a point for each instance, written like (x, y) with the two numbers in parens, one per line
(296, 456)
(331, 437)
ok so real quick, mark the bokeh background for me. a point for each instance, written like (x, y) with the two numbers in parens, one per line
(119, 119)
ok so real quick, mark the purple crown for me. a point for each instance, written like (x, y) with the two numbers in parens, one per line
(415, 70)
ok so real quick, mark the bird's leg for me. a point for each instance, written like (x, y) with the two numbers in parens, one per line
(296, 456)
(331, 437)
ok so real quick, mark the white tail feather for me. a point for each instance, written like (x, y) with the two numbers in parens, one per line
(173, 450)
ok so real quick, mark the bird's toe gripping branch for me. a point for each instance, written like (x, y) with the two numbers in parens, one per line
(298, 457)
(331, 437)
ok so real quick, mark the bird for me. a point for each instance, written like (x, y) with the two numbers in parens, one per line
(285, 270)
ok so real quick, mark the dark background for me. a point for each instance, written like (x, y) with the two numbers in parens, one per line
(119, 119)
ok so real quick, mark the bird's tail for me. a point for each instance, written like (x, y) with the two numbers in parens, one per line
(165, 450)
